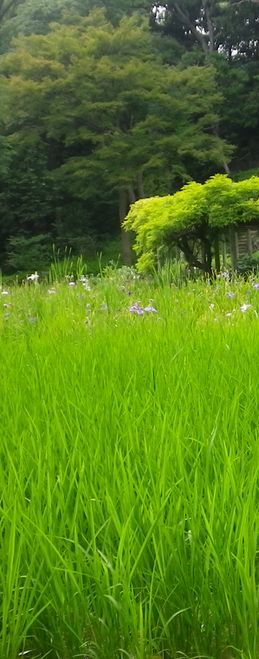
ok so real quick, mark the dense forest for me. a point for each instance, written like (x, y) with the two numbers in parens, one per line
(104, 102)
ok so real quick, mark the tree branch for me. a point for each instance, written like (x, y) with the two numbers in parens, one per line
(184, 16)
(5, 7)
(189, 255)
(210, 26)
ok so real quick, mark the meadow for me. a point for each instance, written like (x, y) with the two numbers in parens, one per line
(129, 468)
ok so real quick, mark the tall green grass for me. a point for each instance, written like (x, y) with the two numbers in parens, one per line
(129, 464)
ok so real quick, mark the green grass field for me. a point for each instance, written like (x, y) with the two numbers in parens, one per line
(129, 468)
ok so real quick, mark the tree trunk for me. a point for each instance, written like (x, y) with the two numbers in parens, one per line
(132, 196)
(197, 34)
(141, 191)
(125, 235)
(193, 262)
(209, 258)
(206, 255)
(224, 252)
(224, 162)
(210, 28)
(225, 166)
(233, 248)
(211, 49)
(217, 254)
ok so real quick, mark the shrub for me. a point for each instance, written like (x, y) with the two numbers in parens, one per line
(26, 254)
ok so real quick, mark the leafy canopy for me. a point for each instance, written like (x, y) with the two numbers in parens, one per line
(197, 208)
(111, 107)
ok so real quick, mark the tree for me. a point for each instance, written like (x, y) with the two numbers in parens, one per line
(8, 8)
(8, 11)
(225, 32)
(24, 17)
(107, 113)
(212, 26)
(192, 219)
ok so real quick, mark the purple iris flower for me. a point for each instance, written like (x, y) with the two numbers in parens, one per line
(150, 309)
(256, 286)
(135, 308)
(140, 311)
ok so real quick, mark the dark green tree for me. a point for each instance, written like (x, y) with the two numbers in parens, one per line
(107, 114)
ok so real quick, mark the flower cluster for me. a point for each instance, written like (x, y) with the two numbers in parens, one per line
(140, 311)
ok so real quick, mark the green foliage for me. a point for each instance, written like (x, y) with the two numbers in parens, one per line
(91, 110)
(98, 104)
(238, 83)
(247, 173)
(101, 94)
(248, 264)
(129, 483)
(227, 34)
(196, 210)
(213, 26)
(8, 8)
(26, 254)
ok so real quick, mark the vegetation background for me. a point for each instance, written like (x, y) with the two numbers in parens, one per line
(104, 102)
(129, 464)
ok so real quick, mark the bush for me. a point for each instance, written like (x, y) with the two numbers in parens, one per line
(26, 254)
(248, 264)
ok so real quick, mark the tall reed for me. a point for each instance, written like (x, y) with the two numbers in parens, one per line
(129, 464)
